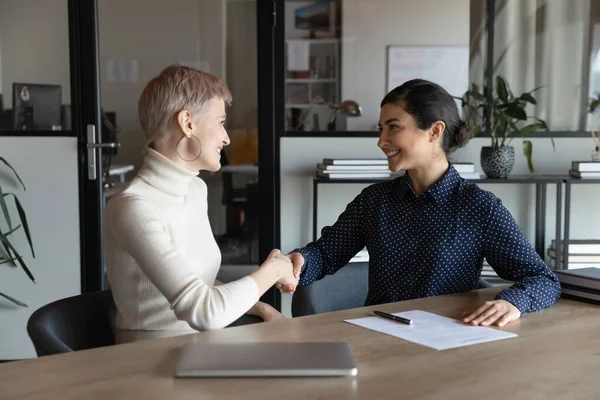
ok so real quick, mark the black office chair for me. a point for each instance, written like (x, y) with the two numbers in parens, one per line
(345, 289)
(75, 323)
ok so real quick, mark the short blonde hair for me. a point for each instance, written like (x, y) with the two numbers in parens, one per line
(175, 89)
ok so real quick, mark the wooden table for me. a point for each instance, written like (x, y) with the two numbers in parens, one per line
(556, 356)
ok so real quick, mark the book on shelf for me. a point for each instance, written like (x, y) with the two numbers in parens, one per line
(577, 258)
(585, 278)
(355, 161)
(363, 168)
(574, 265)
(355, 175)
(351, 168)
(585, 166)
(470, 175)
(582, 253)
(466, 170)
(584, 174)
(580, 246)
(464, 167)
(491, 276)
(581, 284)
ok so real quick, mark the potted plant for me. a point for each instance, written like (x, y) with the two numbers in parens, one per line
(507, 119)
(9, 255)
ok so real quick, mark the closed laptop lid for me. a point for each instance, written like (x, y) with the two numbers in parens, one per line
(265, 359)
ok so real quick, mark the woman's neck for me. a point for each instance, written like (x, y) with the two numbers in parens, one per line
(422, 178)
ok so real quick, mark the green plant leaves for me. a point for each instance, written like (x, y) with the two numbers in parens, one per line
(4, 208)
(507, 113)
(13, 256)
(514, 111)
(13, 300)
(14, 171)
(23, 218)
(501, 89)
(528, 98)
(528, 151)
(17, 256)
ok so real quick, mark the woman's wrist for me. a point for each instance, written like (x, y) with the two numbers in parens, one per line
(274, 267)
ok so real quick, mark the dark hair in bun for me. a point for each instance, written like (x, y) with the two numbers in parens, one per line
(428, 102)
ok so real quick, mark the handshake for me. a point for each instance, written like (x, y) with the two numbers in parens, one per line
(288, 268)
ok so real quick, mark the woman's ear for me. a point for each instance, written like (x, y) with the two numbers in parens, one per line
(185, 123)
(437, 130)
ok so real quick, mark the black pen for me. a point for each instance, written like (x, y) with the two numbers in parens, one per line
(393, 317)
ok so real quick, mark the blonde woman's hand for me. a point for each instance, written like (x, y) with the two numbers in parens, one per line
(298, 263)
(284, 266)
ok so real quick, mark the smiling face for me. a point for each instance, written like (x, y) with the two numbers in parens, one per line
(209, 128)
(404, 144)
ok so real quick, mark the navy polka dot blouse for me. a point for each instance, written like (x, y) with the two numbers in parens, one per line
(432, 244)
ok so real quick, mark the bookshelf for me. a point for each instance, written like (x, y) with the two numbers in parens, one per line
(312, 79)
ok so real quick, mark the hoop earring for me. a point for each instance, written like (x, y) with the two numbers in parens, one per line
(189, 159)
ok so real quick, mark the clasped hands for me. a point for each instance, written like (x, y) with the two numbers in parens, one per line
(289, 280)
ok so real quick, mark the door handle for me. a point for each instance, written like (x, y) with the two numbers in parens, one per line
(92, 145)
(102, 145)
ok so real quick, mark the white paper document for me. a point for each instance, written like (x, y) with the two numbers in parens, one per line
(298, 56)
(432, 330)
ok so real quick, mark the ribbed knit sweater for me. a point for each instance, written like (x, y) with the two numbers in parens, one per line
(162, 258)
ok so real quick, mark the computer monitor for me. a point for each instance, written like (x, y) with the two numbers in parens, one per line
(314, 17)
(36, 106)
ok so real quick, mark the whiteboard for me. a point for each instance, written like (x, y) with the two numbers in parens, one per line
(448, 66)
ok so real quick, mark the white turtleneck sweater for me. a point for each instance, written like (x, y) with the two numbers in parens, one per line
(162, 258)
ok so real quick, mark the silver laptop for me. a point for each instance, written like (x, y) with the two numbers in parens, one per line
(265, 359)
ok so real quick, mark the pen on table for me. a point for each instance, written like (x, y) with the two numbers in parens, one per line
(393, 317)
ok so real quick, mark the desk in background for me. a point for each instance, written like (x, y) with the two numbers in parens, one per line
(553, 358)
(120, 171)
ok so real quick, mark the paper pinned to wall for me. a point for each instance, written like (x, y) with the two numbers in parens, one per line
(433, 330)
(298, 55)
(122, 70)
(448, 66)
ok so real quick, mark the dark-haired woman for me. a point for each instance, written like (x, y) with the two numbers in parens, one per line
(428, 231)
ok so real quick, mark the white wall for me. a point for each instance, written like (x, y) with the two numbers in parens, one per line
(48, 166)
(368, 27)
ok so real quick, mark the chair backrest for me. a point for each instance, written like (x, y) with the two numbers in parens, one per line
(347, 288)
(74, 323)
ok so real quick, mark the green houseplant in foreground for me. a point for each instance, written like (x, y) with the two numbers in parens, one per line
(508, 118)
(8, 253)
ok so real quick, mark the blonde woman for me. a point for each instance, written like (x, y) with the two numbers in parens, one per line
(161, 256)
